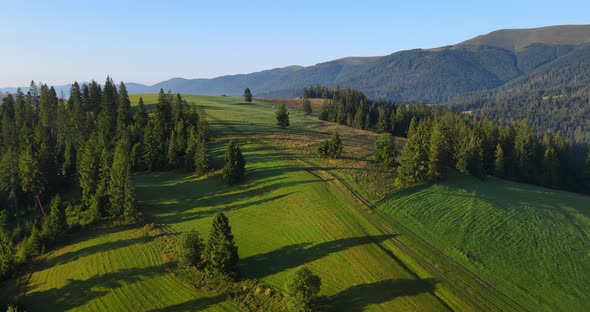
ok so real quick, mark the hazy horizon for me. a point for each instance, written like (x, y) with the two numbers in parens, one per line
(148, 42)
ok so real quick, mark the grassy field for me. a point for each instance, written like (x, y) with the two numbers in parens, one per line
(461, 245)
(530, 242)
(110, 269)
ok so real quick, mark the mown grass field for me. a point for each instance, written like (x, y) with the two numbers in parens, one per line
(462, 244)
(530, 242)
(115, 268)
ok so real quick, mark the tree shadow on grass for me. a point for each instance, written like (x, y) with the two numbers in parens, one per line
(193, 305)
(292, 256)
(45, 263)
(77, 293)
(358, 297)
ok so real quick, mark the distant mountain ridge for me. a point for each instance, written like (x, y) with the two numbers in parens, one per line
(486, 63)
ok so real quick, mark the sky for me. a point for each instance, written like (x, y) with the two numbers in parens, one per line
(58, 42)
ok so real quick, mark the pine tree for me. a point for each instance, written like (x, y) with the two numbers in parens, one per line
(385, 151)
(282, 116)
(383, 122)
(141, 117)
(307, 108)
(414, 156)
(88, 170)
(499, 167)
(221, 253)
(201, 158)
(121, 190)
(439, 150)
(172, 154)
(55, 226)
(7, 253)
(123, 109)
(248, 95)
(234, 168)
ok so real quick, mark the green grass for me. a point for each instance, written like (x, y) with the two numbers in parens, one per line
(463, 244)
(530, 242)
(111, 269)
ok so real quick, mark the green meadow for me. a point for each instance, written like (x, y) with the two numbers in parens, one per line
(460, 245)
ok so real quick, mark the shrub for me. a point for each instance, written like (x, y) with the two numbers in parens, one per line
(302, 287)
(190, 249)
(331, 148)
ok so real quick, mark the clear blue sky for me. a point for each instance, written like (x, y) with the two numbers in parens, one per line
(58, 42)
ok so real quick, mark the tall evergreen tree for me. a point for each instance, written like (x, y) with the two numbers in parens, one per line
(414, 156)
(7, 253)
(282, 116)
(235, 164)
(586, 174)
(123, 109)
(385, 151)
(307, 108)
(221, 253)
(247, 95)
(499, 166)
(55, 226)
(141, 117)
(121, 190)
(438, 153)
(383, 122)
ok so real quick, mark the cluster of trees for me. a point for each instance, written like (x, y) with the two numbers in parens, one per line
(90, 143)
(564, 109)
(439, 138)
(331, 148)
(219, 256)
(352, 108)
(482, 147)
(302, 287)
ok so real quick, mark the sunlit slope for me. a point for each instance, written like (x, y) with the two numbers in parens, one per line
(111, 269)
(531, 242)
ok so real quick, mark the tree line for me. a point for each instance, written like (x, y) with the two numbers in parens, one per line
(438, 139)
(86, 147)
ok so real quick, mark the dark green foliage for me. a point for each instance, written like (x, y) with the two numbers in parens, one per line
(331, 148)
(7, 253)
(499, 165)
(55, 226)
(141, 116)
(282, 116)
(221, 253)
(190, 249)
(307, 106)
(247, 95)
(121, 190)
(385, 151)
(438, 154)
(31, 246)
(302, 287)
(235, 164)
(586, 174)
(414, 156)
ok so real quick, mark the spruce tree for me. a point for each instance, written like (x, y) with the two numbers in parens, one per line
(7, 253)
(282, 116)
(383, 122)
(437, 154)
(141, 117)
(201, 158)
(414, 156)
(385, 151)
(123, 109)
(307, 108)
(586, 174)
(248, 95)
(55, 226)
(235, 164)
(88, 170)
(221, 253)
(499, 167)
(121, 190)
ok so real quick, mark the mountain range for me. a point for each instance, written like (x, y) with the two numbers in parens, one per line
(509, 59)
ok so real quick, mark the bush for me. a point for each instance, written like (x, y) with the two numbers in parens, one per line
(190, 249)
(302, 287)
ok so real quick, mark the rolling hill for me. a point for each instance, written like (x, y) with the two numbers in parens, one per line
(483, 63)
